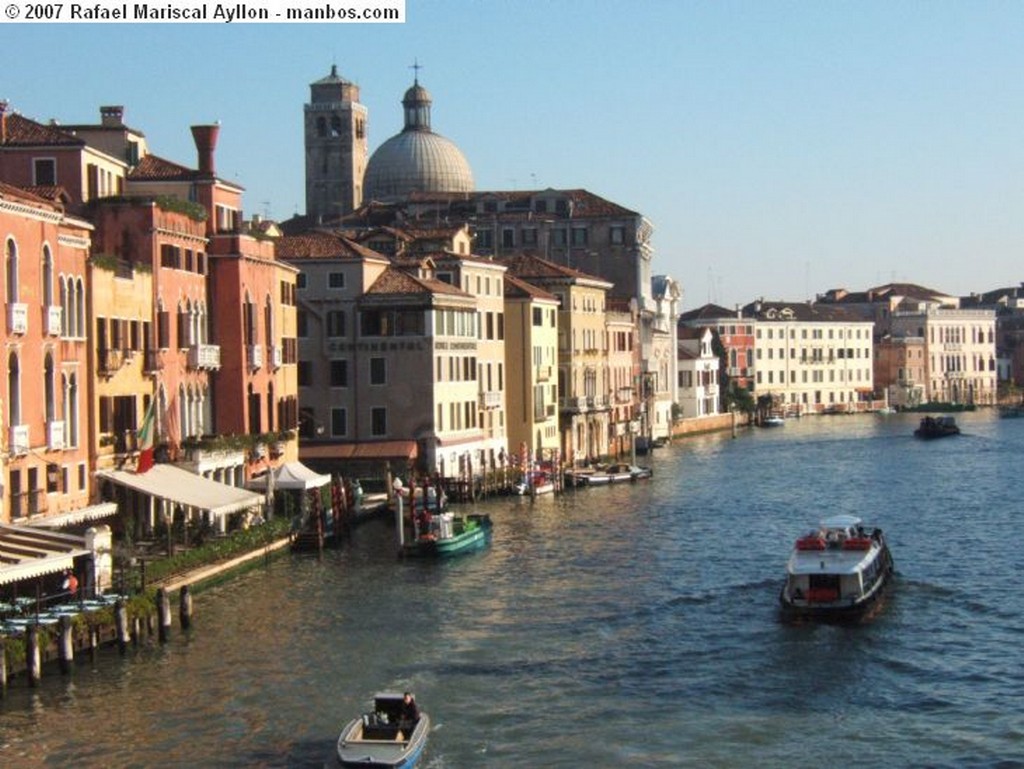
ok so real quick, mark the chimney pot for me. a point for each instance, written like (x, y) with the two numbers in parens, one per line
(205, 137)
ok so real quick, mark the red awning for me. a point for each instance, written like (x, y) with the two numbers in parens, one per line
(378, 450)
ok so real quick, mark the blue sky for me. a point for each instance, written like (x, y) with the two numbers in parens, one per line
(779, 148)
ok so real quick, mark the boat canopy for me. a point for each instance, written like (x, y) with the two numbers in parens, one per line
(841, 522)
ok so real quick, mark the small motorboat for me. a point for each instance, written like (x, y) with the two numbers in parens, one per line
(388, 736)
(625, 472)
(937, 427)
(838, 571)
(447, 534)
(774, 421)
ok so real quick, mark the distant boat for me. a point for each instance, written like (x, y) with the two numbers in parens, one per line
(383, 738)
(535, 483)
(937, 427)
(773, 421)
(838, 571)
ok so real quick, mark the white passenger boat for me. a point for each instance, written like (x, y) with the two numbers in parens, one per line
(388, 737)
(839, 571)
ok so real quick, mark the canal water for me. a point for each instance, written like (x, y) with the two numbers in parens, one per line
(633, 625)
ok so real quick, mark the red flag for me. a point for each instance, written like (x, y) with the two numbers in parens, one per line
(145, 437)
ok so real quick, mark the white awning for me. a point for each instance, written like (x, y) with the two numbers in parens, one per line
(291, 475)
(27, 552)
(70, 518)
(184, 488)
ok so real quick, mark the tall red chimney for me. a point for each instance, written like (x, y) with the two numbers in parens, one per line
(3, 122)
(205, 137)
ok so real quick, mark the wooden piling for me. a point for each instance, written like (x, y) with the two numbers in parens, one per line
(3, 667)
(33, 659)
(65, 644)
(136, 630)
(163, 606)
(121, 620)
(94, 642)
(185, 608)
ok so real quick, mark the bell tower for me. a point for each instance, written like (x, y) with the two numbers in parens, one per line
(336, 148)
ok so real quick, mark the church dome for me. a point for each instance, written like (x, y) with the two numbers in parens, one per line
(417, 159)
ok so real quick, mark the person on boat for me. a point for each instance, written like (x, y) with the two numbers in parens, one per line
(409, 715)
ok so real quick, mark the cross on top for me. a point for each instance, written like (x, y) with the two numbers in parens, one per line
(416, 67)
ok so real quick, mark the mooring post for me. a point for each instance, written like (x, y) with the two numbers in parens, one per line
(3, 667)
(121, 620)
(65, 644)
(185, 608)
(163, 606)
(94, 642)
(33, 660)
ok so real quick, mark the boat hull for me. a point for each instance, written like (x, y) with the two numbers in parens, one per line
(469, 540)
(384, 752)
(843, 611)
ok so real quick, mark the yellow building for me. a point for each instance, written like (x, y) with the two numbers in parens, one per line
(531, 360)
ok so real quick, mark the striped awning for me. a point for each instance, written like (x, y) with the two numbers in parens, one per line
(27, 552)
(181, 487)
(72, 517)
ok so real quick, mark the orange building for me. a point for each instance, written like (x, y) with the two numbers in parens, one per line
(46, 386)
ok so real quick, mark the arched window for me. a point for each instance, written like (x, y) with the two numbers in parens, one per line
(65, 315)
(50, 389)
(321, 126)
(268, 321)
(11, 270)
(47, 277)
(71, 411)
(13, 390)
(186, 426)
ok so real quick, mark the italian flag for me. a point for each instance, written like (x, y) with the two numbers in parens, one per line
(145, 437)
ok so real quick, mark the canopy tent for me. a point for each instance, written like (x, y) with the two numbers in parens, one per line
(291, 476)
(27, 552)
(181, 487)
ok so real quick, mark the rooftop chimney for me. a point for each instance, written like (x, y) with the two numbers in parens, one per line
(205, 137)
(3, 121)
(112, 116)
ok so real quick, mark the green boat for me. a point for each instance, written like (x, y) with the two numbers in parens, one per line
(447, 535)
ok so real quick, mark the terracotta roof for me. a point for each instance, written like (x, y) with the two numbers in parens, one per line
(154, 167)
(801, 311)
(527, 267)
(25, 195)
(707, 312)
(692, 332)
(517, 288)
(24, 132)
(321, 245)
(400, 282)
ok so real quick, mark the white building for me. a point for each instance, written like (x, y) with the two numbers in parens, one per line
(697, 393)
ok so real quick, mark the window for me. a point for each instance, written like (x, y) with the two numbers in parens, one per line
(336, 323)
(339, 422)
(558, 237)
(336, 280)
(538, 316)
(339, 373)
(305, 373)
(579, 236)
(617, 235)
(508, 238)
(529, 236)
(301, 324)
(300, 280)
(44, 172)
(378, 421)
(378, 371)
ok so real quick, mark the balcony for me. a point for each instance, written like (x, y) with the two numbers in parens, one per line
(19, 440)
(255, 356)
(17, 318)
(110, 361)
(54, 317)
(55, 436)
(276, 356)
(597, 402)
(204, 356)
(543, 373)
(490, 399)
(574, 404)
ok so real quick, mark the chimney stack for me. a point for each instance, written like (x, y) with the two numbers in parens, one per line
(3, 121)
(205, 137)
(112, 116)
